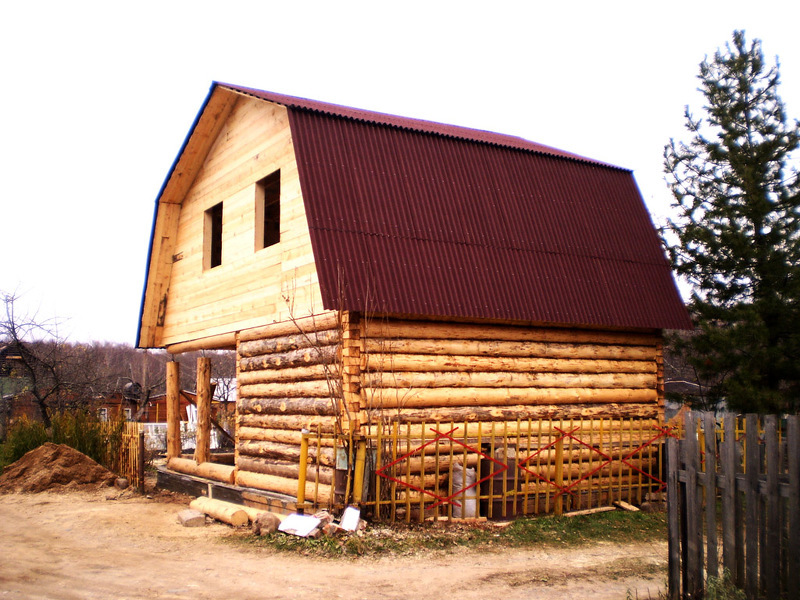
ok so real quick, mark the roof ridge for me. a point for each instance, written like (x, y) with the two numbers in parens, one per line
(460, 132)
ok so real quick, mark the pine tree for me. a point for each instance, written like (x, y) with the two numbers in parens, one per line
(736, 237)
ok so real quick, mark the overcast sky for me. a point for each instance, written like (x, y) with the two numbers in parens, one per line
(97, 98)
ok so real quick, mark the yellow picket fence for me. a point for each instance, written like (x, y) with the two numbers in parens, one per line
(413, 472)
(125, 451)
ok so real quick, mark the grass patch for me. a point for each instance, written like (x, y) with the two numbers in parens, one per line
(523, 533)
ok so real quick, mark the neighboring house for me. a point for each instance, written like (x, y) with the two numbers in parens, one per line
(436, 272)
(12, 381)
(155, 409)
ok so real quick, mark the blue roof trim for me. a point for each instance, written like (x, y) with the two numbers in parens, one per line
(158, 197)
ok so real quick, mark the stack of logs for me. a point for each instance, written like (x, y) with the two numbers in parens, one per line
(289, 380)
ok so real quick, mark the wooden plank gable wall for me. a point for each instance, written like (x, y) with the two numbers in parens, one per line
(251, 287)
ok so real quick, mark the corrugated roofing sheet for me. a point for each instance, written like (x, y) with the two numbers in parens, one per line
(421, 218)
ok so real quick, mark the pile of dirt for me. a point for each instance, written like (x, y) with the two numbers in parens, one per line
(54, 466)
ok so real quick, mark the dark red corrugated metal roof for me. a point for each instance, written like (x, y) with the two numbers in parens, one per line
(420, 218)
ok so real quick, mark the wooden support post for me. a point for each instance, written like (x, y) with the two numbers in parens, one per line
(729, 468)
(202, 451)
(710, 435)
(752, 473)
(673, 519)
(301, 479)
(173, 410)
(358, 485)
(793, 506)
(140, 466)
(559, 476)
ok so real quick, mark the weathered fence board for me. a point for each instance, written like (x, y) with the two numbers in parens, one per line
(755, 475)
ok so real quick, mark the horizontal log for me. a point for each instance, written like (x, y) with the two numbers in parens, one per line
(297, 389)
(206, 470)
(224, 341)
(598, 468)
(287, 343)
(519, 431)
(509, 349)
(319, 493)
(519, 411)
(601, 485)
(275, 406)
(282, 436)
(425, 362)
(285, 468)
(403, 379)
(305, 356)
(430, 397)
(253, 513)
(285, 375)
(226, 512)
(325, 424)
(289, 452)
(378, 328)
(318, 322)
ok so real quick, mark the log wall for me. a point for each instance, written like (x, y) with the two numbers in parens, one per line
(414, 371)
(289, 379)
(351, 372)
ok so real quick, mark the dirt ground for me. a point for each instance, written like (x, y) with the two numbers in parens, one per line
(111, 544)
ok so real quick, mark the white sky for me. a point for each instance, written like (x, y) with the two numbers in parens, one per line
(97, 98)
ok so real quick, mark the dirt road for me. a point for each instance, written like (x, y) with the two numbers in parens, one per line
(82, 545)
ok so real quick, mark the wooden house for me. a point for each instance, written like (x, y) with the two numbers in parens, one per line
(369, 268)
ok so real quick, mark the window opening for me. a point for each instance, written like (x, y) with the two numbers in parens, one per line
(268, 211)
(212, 254)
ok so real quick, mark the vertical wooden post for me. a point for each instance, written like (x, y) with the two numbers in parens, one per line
(358, 483)
(173, 410)
(752, 472)
(559, 476)
(141, 462)
(301, 478)
(202, 452)
(673, 518)
(793, 508)
(771, 551)
(710, 435)
(693, 540)
(729, 468)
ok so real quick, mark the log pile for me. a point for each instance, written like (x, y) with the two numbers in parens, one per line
(289, 380)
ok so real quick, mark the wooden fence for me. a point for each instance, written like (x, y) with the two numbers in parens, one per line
(738, 481)
(411, 472)
(125, 451)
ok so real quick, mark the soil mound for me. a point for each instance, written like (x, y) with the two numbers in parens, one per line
(54, 466)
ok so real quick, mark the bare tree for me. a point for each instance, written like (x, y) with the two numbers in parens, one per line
(44, 360)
